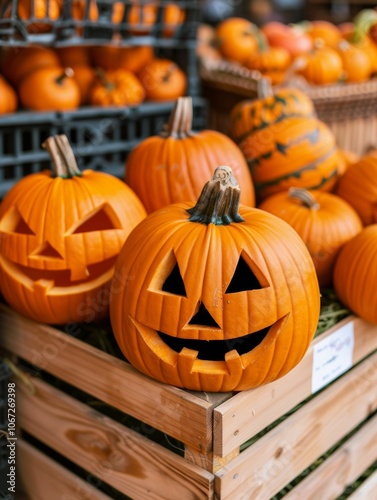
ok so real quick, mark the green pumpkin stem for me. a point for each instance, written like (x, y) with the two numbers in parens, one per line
(219, 200)
(303, 195)
(104, 81)
(180, 120)
(63, 160)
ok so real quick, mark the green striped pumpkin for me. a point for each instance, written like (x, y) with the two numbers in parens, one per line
(294, 152)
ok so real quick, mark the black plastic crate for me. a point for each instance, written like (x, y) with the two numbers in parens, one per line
(96, 24)
(100, 137)
(5, 375)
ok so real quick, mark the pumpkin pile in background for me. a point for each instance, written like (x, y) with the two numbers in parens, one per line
(319, 51)
(45, 79)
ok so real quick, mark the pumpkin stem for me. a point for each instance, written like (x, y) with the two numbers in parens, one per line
(264, 88)
(67, 73)
(170, 70)
(304, 196)
(219, 200)
(101, 75)
(180, 120)
(63, 160)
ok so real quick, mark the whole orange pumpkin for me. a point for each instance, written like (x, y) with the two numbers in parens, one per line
(68, 227)
(325, 31)
(324, 221)
(221, 297)
(50, 89)
(236, 39)
(163, 80)
(116, 88)
(173, 166)
(321, 66)
(357, 66)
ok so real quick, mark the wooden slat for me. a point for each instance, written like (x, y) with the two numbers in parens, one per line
(282, 454)
(367, 490)
(176, 412)
(342, 468)
(126, 460)
(41, 478)
(248, 412)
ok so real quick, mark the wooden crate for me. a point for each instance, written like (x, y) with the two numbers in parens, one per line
(213, 428)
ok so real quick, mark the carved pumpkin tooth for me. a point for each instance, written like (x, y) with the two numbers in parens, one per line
(42, 286)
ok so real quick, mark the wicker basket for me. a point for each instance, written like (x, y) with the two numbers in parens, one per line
(349, 109)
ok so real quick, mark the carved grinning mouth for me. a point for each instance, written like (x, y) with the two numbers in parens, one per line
(215, 350)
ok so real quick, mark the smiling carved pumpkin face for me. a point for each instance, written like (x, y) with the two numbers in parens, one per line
(219, 306)
(60, 238)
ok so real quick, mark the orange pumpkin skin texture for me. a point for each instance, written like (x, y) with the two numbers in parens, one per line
(249, 116)
(296, 152)
(237, 39)
(321, 66)
(355, 274)
(173, 166)
(163, 80)
(271, 62)
(85, 77)
(116, 88)
(356, 63)
(20, 62)
(76, 55)
(129, 58)
(50, 89)
(325, 31)
(358, 186)
(324, 221)
(182, 319)
(8, 97)
(59, 241)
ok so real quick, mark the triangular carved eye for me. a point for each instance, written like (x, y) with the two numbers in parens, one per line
(203, 317)
(13, 222)
(101, 220)
(174, 283)
(244, 279)
(47, 251)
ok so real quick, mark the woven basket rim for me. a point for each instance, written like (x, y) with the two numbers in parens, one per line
(236, 78)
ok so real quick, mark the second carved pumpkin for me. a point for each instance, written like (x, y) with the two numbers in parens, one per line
(174, 165)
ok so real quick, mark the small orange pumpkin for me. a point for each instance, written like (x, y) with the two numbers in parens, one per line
(236, 39)
(271, 62)
(163, 80)
(325, 31)
(174, 165)
(50, 89)
(68, 228)
(321, 66)
(356, 62)
(223, 297)
(116, 88)
(8, 97)
(324, 221)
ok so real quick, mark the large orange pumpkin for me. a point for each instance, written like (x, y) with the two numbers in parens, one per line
(355, 274)
(218, 297)
(173, 166)
(324, 221)
(61, 232)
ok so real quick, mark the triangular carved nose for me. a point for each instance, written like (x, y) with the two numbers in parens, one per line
(47, 250)
(203, 318)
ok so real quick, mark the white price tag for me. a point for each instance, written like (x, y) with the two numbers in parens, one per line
(332, 356)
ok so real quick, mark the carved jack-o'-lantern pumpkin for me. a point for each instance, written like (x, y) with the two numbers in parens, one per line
(61, 233)
(213, 299)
